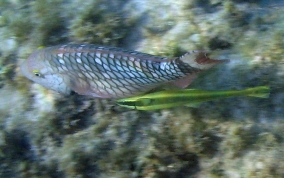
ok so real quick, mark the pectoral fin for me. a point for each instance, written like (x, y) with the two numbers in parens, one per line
(184, 82)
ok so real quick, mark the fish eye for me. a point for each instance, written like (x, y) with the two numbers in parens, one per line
(37, 73)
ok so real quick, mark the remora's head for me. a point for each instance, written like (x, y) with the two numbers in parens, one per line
(37, 69)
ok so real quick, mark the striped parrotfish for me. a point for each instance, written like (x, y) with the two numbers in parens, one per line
(109, 72)
(188, 97)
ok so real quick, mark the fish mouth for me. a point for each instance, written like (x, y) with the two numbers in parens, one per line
(127, 104)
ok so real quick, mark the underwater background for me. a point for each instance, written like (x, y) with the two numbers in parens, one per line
(45, 134)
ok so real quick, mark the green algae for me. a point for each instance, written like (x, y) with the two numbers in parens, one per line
(98, 24)
(37, 21)
(268, 47)
(47, 18)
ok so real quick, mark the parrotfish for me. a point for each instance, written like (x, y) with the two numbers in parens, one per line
(109, 72)
(187, 97)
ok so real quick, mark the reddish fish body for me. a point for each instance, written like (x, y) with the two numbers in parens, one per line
(109, 72)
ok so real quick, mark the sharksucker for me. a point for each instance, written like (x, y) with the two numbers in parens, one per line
(186, 97)
(109, 72)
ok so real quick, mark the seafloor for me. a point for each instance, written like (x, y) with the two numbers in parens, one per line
(45, 134)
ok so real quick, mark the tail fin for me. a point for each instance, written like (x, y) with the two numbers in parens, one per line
(200, 60)
(260, 92)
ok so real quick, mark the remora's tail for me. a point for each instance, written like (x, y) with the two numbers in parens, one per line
(200, 60)
(260, 92)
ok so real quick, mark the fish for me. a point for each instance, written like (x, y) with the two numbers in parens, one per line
(186, 97)
(110, 72)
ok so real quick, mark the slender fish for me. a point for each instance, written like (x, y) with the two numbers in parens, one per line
(109, 72)
(188, 97)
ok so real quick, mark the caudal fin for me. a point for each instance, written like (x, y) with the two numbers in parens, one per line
(200, 60)
(260, 92)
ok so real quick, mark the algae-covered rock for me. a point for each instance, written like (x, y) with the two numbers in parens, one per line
(99, 22)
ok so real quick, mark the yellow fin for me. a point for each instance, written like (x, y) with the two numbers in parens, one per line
(260, 92)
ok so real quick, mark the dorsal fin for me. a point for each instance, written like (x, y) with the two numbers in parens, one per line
(200, 60)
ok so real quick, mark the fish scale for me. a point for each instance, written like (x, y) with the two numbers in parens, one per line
(108, 72)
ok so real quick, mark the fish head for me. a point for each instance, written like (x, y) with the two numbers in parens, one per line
(37, 69)
(138, 102)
